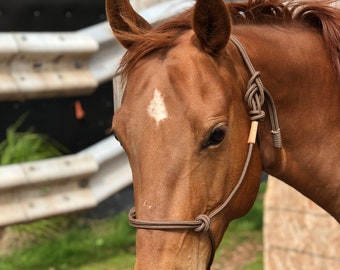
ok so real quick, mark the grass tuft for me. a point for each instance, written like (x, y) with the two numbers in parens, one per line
(27, 146)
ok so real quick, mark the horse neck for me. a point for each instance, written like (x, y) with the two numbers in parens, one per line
(296, 69)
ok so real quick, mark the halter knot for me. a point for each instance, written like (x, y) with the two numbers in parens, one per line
(255, 97)
(205, 223)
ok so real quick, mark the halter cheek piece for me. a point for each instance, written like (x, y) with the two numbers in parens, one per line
(255, 97)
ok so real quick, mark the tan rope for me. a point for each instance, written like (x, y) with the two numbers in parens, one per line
(257, 94)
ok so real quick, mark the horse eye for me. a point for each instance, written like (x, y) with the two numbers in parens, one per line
(216, 137)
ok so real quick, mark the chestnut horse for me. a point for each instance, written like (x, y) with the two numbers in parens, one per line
(184, 124)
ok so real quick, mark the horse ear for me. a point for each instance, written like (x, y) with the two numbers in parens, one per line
(212, 25)
(123, 19)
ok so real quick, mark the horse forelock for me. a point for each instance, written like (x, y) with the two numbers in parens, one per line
(162, 37)
(319, 15)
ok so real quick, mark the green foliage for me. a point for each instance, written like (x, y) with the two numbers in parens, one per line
(27, 146)
(256, 265)
(83, 243)
(45, 228)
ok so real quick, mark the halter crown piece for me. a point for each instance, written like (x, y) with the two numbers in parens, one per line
(255, 97)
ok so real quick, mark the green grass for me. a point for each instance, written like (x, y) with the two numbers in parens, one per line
(256, 265)
(121, 261)
(109, 245)
(22, 146)
(84, 243)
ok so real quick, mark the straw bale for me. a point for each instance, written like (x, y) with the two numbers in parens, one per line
(298, 234)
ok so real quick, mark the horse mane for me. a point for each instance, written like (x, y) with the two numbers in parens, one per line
(318, 14)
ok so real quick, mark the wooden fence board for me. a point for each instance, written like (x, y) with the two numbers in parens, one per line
(298, 234)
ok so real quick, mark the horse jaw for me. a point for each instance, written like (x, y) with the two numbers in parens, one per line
(158, 250)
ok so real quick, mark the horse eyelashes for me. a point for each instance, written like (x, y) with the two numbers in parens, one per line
(216, 137)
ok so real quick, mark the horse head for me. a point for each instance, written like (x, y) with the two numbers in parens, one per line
(184, 126)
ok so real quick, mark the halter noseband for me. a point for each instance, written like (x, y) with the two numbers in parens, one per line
(255, 98)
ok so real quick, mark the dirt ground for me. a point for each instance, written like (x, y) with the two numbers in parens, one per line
(244, 254)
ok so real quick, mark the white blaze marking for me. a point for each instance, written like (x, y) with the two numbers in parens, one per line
(156, 108)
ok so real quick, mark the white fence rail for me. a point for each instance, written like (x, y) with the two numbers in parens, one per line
(34, 65)
(34, 190)
(45, 65)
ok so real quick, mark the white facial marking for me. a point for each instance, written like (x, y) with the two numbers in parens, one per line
(156, 108)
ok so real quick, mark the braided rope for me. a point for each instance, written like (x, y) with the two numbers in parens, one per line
(256, 95)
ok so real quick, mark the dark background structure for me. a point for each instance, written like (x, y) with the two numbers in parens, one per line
(56, 117)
